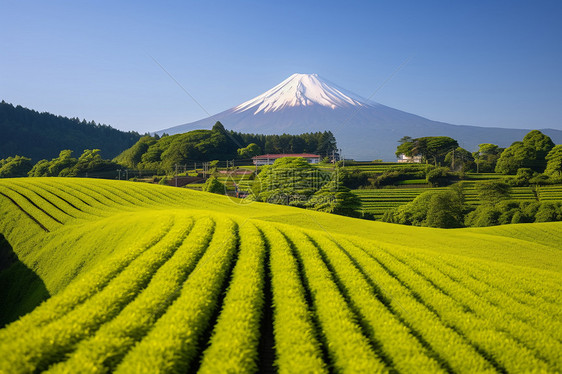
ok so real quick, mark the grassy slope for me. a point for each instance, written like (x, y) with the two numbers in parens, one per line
(533, 245)
(60, 256)
(94, 225)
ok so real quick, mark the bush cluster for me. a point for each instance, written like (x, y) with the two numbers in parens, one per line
(509, 211)
(446, 209)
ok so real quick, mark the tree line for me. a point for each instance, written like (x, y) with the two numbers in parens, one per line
(90, 163)
(43, 135)
(163, 153)
(536, 152)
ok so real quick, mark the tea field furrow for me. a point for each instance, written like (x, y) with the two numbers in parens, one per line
(104, 197)
(497, 345)
(84, 288)
(498, 298)
(451, 348)
(234, 343)
(400, 348)
(499, 319)
(84, 198)
(42, 204)
(45, 197)
(25, 212)
(113, 340)
(61, 335)
(296, 341)
(128, 196)
(33, 211)
(78, 209)
(348, 347)
(175, 341)
(515, 285)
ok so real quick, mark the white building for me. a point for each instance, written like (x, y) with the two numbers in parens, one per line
(269, 159)
(412, 159)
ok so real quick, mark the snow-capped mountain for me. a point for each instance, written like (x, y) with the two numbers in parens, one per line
(365, 130)
(299, 90)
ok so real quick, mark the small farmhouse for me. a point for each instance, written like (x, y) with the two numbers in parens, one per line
(270, 158)
(412, 159)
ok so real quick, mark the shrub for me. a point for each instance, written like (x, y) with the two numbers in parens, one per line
(432, 208)
(492, 192)
(484, 215)
(438, 176)
(547, 212)
(214, 186)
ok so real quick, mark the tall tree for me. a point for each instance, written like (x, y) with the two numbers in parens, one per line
(17, 166)
(516, 156)
(327, 144)
(459, 159)
(554, 161)
(289, 181)
(486, 157)
(431, 148)
(541, 144)
(248, 152)
(530, 153)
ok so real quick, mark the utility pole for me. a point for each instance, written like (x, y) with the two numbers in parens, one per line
(176, 175)
(119, 170)
(127, 174)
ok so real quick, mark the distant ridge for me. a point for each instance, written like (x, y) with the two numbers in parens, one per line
(28, 133)
(364, 129)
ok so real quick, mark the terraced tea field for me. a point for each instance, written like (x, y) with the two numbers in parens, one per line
(377, 201)
(148, 278)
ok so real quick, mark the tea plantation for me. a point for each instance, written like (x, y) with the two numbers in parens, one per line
(112, 276)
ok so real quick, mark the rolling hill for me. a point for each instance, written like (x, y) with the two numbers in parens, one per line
(148, 278)
(364, 129)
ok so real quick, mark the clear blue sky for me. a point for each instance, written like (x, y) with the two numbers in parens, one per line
(486, 63)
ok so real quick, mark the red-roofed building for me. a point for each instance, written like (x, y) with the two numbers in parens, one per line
(270, 158)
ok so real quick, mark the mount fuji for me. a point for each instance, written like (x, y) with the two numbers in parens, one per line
(364, 130)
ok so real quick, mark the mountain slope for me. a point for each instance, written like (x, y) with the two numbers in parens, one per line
(365, 130)
(28, 133)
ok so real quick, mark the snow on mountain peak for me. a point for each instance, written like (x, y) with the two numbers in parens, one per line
(300, 90)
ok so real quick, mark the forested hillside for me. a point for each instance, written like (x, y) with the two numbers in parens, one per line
(162, 153)
(28, 133)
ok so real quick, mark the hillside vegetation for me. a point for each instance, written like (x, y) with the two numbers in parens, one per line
(28, 133)
(148, 278)
(157, 153)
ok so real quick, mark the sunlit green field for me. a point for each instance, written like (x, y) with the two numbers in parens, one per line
(148, 278)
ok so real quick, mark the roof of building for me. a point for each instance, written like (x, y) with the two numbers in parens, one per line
(279, 155)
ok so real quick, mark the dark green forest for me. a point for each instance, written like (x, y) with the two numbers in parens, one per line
(40, 136)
